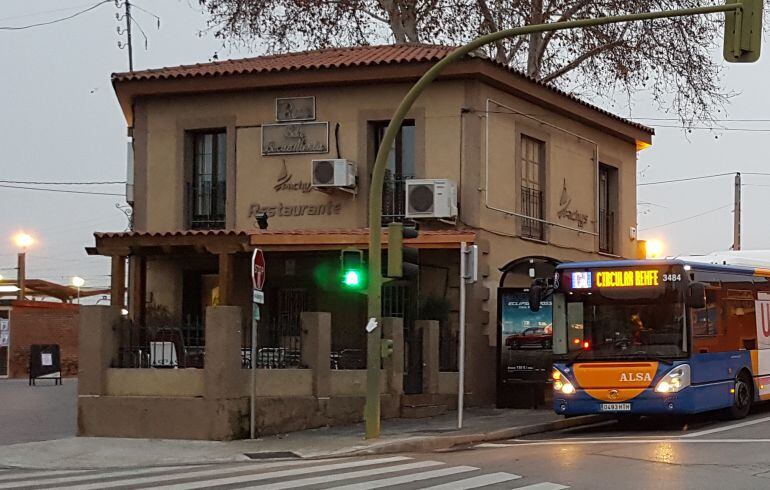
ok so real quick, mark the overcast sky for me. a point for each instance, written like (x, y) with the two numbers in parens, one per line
(60, 122)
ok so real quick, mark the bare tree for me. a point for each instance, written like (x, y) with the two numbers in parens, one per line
(672, 61)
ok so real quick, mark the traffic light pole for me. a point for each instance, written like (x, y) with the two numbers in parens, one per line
(372, 411)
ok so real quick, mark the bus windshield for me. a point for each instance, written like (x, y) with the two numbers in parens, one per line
(643, 323)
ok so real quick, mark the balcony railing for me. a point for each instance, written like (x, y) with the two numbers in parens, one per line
(206, 206)
(532, 205)
(394, 197)
(167, 345)
(606, 231)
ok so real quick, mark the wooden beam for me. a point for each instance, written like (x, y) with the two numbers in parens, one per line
(118, 281)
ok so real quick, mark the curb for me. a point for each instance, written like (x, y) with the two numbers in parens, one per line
(432, 443)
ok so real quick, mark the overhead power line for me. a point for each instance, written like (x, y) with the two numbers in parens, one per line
(687, 218)
(62, 19)
(685, 179)
(93, 193)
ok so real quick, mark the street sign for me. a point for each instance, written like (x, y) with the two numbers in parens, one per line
(258, 269)
(258, 297)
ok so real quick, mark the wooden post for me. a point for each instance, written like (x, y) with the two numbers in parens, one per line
(118, 281)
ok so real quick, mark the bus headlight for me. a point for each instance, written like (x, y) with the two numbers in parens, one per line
(675, 380)
(561, 384)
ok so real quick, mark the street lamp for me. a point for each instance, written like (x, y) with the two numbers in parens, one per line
(23, 241)
(654, 249)
(78, 282)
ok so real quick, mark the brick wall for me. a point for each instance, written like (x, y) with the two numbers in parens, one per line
(35, 322)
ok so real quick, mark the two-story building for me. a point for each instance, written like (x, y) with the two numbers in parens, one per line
(221, 149)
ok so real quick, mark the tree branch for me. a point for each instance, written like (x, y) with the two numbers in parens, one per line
(580, 59)
(493, 27)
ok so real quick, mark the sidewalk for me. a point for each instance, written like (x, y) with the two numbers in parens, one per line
(398, 436)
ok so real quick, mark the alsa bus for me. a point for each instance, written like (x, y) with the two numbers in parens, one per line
(660, 337)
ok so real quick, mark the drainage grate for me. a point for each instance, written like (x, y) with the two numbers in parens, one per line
(272, 455)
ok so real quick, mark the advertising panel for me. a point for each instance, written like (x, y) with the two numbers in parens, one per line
(526, 337)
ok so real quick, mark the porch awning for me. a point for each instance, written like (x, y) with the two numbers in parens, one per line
(229, 241)
(280, 240)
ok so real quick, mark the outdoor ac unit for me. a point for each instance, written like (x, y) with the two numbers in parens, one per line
(333, 173)
(431, 198)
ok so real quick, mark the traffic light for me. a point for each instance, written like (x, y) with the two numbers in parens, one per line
(403, 261)
(743, 32)
(352, 269)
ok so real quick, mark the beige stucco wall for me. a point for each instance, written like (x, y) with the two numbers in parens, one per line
(353, 382)
(448, 383)
(155, 382)
(283, 382)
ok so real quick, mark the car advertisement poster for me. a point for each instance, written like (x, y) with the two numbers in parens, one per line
(525, 336)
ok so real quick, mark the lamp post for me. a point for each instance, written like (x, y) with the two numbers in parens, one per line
(78, 282)
(23, 241)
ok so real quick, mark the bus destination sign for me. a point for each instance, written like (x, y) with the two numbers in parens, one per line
(615, 279)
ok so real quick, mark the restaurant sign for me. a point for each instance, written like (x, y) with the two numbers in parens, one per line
(293, 138)
(283, 210)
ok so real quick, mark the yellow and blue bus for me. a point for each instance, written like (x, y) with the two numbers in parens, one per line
(660, 337)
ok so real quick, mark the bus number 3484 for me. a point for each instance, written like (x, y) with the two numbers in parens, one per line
(672, 277)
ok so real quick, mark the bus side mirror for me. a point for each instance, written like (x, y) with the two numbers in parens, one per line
(535, 294)
(696, 295)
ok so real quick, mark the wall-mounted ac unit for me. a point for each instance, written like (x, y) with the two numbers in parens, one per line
(431, 198)
(333, 173)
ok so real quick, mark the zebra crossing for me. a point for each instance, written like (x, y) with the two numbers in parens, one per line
(340, 474)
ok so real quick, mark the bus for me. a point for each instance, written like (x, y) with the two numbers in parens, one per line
(646, 337)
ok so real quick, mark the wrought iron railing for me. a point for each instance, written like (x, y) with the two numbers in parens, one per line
(394, 197)
(532, 206)
(171, 345)
(606, 231)
(279, 345)
(206, 205)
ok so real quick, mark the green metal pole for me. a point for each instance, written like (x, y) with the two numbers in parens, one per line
(372, 411)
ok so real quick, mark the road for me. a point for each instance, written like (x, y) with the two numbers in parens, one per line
(696, 453)
(37, 413)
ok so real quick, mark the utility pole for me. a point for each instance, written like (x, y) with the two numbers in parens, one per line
(737, 213)
(128, 35)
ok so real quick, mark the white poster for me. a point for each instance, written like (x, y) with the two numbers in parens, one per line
(46, 359)
(4, 332)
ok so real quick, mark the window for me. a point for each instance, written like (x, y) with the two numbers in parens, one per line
(532, 176)
(401, 166)
(704, 320)
(608, 203)
(208, 189)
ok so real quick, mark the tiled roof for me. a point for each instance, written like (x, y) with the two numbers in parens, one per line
(174, 233)
(334, 58)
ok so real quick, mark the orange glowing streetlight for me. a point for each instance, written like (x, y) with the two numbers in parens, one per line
(654, 249)
(23, 241)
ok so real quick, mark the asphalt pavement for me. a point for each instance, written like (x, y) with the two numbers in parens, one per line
(37, 413)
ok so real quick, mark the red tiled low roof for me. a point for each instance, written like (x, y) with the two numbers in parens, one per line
(335, 58)
(174, 233)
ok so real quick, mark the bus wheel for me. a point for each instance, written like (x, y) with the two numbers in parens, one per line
(742, 397)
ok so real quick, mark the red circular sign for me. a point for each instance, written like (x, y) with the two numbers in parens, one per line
(258, 269)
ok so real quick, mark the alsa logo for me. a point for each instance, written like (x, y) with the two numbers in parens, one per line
(628, 377)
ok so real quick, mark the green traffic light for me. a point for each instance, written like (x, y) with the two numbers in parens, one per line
(352, 278)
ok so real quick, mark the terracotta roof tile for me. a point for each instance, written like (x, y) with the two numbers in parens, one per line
(174, 233)
(334, 58)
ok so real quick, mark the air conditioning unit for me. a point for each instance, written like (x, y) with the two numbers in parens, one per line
(333, 173)
(431, 198)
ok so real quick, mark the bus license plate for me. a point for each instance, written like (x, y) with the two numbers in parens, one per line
(616, 407)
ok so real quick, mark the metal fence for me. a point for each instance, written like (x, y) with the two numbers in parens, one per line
(532, 205)
(206, 204)
(394, 197)
(279, 345)
(178, 345)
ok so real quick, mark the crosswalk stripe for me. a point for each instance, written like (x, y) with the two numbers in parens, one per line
(318, 480)
(398, 480)
(25, 475)
(476, 481)
(81, 477)
(284, 473)
(229, 470)
(543, 486)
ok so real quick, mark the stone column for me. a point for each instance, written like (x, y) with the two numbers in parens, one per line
(393, 329)
(430, 354)
(316, 349)
(97, 346)
(138, 287)
(226, 278)
(223, 352)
